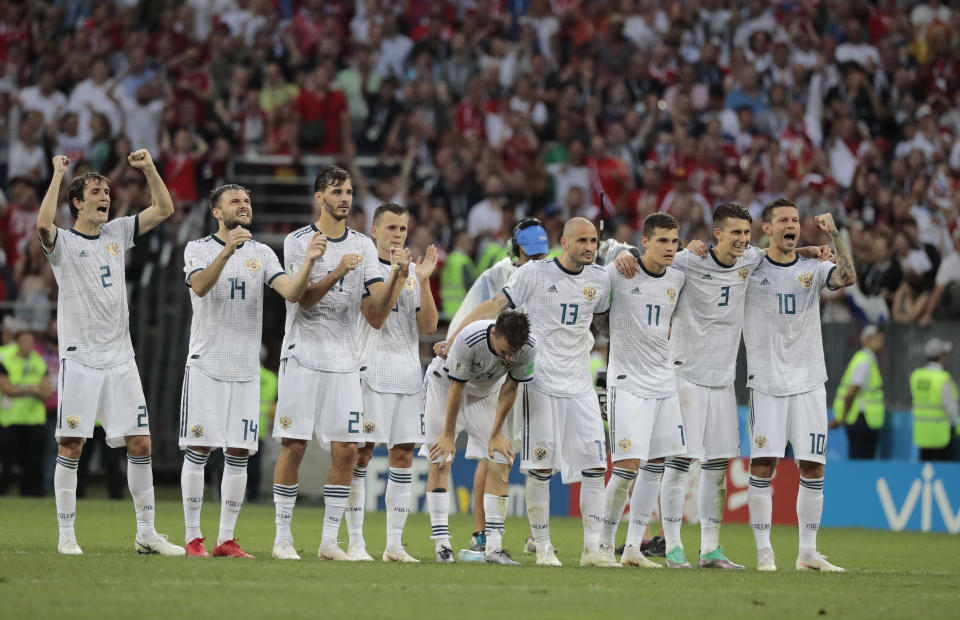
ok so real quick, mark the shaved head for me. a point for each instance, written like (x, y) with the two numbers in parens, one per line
(579, 242)
(574, 224)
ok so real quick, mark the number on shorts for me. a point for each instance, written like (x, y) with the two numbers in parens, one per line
(683, 440)
(353, 424)
(818, 443)
(104, 274)
(142, 416)
(249, 428)
(423, 426)
(600, 449)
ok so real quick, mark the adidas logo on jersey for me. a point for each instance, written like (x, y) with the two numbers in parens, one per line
(764, 282)
(706, 276)
(552, 289)
(83, 253)
(636, 290)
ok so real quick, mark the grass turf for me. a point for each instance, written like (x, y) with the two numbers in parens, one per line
(890, 574)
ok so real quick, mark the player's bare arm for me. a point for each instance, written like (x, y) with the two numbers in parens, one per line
(487, 310)
(292, 289)
(48, 208)
(844, 275)
(162, 206)
(383, 296)
(445, 446)
(498, 441)
(428, 316)
(316, 291)
(202, 281)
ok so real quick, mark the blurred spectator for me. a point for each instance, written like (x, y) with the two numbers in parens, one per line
(28, 159)
(181, 165)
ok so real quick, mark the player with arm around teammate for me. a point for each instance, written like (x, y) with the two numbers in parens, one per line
(98, 375)
(226, 272)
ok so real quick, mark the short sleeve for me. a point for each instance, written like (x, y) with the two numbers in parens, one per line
(271, 265)
(371, 264)
(524, 371)
(293, 255)
(520, 285)
(194, 260)
(458, 359)
(824, 269)
(754, 255)
(54, 253)
(604, 293)
(861, 374)
(126, 228)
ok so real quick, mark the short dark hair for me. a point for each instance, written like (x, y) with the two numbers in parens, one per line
(658, 220)
(730, 210)
(79, 185)
(767, 215)
(514, 326)
(330, 176)
(389, 207)
(220, 191)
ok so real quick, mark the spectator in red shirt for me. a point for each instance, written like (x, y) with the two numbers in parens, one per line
(322, 113)
(181, 160)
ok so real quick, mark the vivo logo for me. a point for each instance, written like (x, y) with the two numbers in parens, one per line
(924, 489)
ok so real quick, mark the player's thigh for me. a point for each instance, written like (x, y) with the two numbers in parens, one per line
(582, 435)
(378, 413)
(203, 410)
(243, 415)
(479, 413)
(808, 425)
(298, 392)
(722, 436)
(341, 408)
(540, 430)
(79, 389)
(768, 425)
(123, 407)
(694, 406)
(630, 421)
(409, 421)
(669, 436)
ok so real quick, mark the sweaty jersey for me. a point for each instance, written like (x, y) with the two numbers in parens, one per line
(324, 336)
(228, 320)
(781, 328)
(561, 305)
(709, 319)
(471, 360)
(641, 308)
(390, 356)
(93, 320)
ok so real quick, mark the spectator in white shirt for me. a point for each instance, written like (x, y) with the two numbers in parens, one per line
(44, 98)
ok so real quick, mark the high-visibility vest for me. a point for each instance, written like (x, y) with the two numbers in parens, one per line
(493, 253)
(268, 396)
(21, 372)
(931, 426)
(455, 280)
(869, 398)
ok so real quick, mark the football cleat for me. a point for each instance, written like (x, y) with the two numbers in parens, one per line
(358, 554)
(676, 558)
(331, 551)
(530, 545)
(818, 563)
(596, 558)
(608, 551)
(230, 549)
(445, 555)
(548, 557)
(655, 547)
(633, 556)
(195, 549)
(157, 544)
(478, 542)
(399, 554)
(284, 550)
(765, 560)
(67, 545)
(716, 559)
(501, 556)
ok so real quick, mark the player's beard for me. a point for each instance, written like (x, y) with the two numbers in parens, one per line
(332, 211)
(231, 224)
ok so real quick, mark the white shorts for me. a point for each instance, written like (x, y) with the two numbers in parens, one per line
(644, 428)
(562, 434)
(218, 414)
(312, 402)
(392, 419)
(710, 420)
(476, 417)
(800, 419)
(512, 427)
(112, 395)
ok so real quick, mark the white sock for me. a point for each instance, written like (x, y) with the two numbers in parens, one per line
(672, 495)
(809, 511)
(335, 502)
(760, 500)
(233, 488)
(712, 499)
(615, 500)
(65, 489)
(438, 504)
(537, 491)
(592, 507)
(643, 501)
(495, 509)
(397, 498)
(355, 506)
(140, 481)
(284, 499)
(191, 487)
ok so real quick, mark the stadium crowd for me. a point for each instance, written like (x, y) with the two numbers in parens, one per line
(479, 112)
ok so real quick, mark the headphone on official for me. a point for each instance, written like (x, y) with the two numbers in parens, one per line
(513, 246)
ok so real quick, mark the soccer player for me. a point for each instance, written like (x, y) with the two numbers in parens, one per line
(392, 385)
(643, 408)
(220, 405)
(483, 353)
(786, 375)
(98, 376)
(320, 360)
(563, 430)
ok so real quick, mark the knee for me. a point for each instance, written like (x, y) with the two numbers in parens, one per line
(237, 452)
(401, 456)
(343, 455)
(809, 469)
(364, 455)
(138, 445)
(71, 447)
(295, 449)
(762, 468)
(499, 472)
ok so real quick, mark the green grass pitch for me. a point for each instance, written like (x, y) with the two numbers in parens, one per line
(891, 575)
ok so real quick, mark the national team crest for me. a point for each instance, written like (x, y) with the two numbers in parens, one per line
(73, 421)
(285, 422)
(624, 444)
(743, 272)
(114, 248)
(253, 264)
(672, 294)
(411, 283)
(761, 441)
(369, 426)
(805, 279)
(197, 430)
(540, 453)
(590, 292)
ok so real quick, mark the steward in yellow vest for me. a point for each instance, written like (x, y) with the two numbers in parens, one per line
(859, 401)
(935, 407)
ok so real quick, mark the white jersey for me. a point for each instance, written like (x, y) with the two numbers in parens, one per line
(390, 356)
(324, 336)
(228, 321)
(641, 309)
(782, 326)
(471, 360)
(484, 288)
(93, 320)
(561, 305)
(709, 319)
